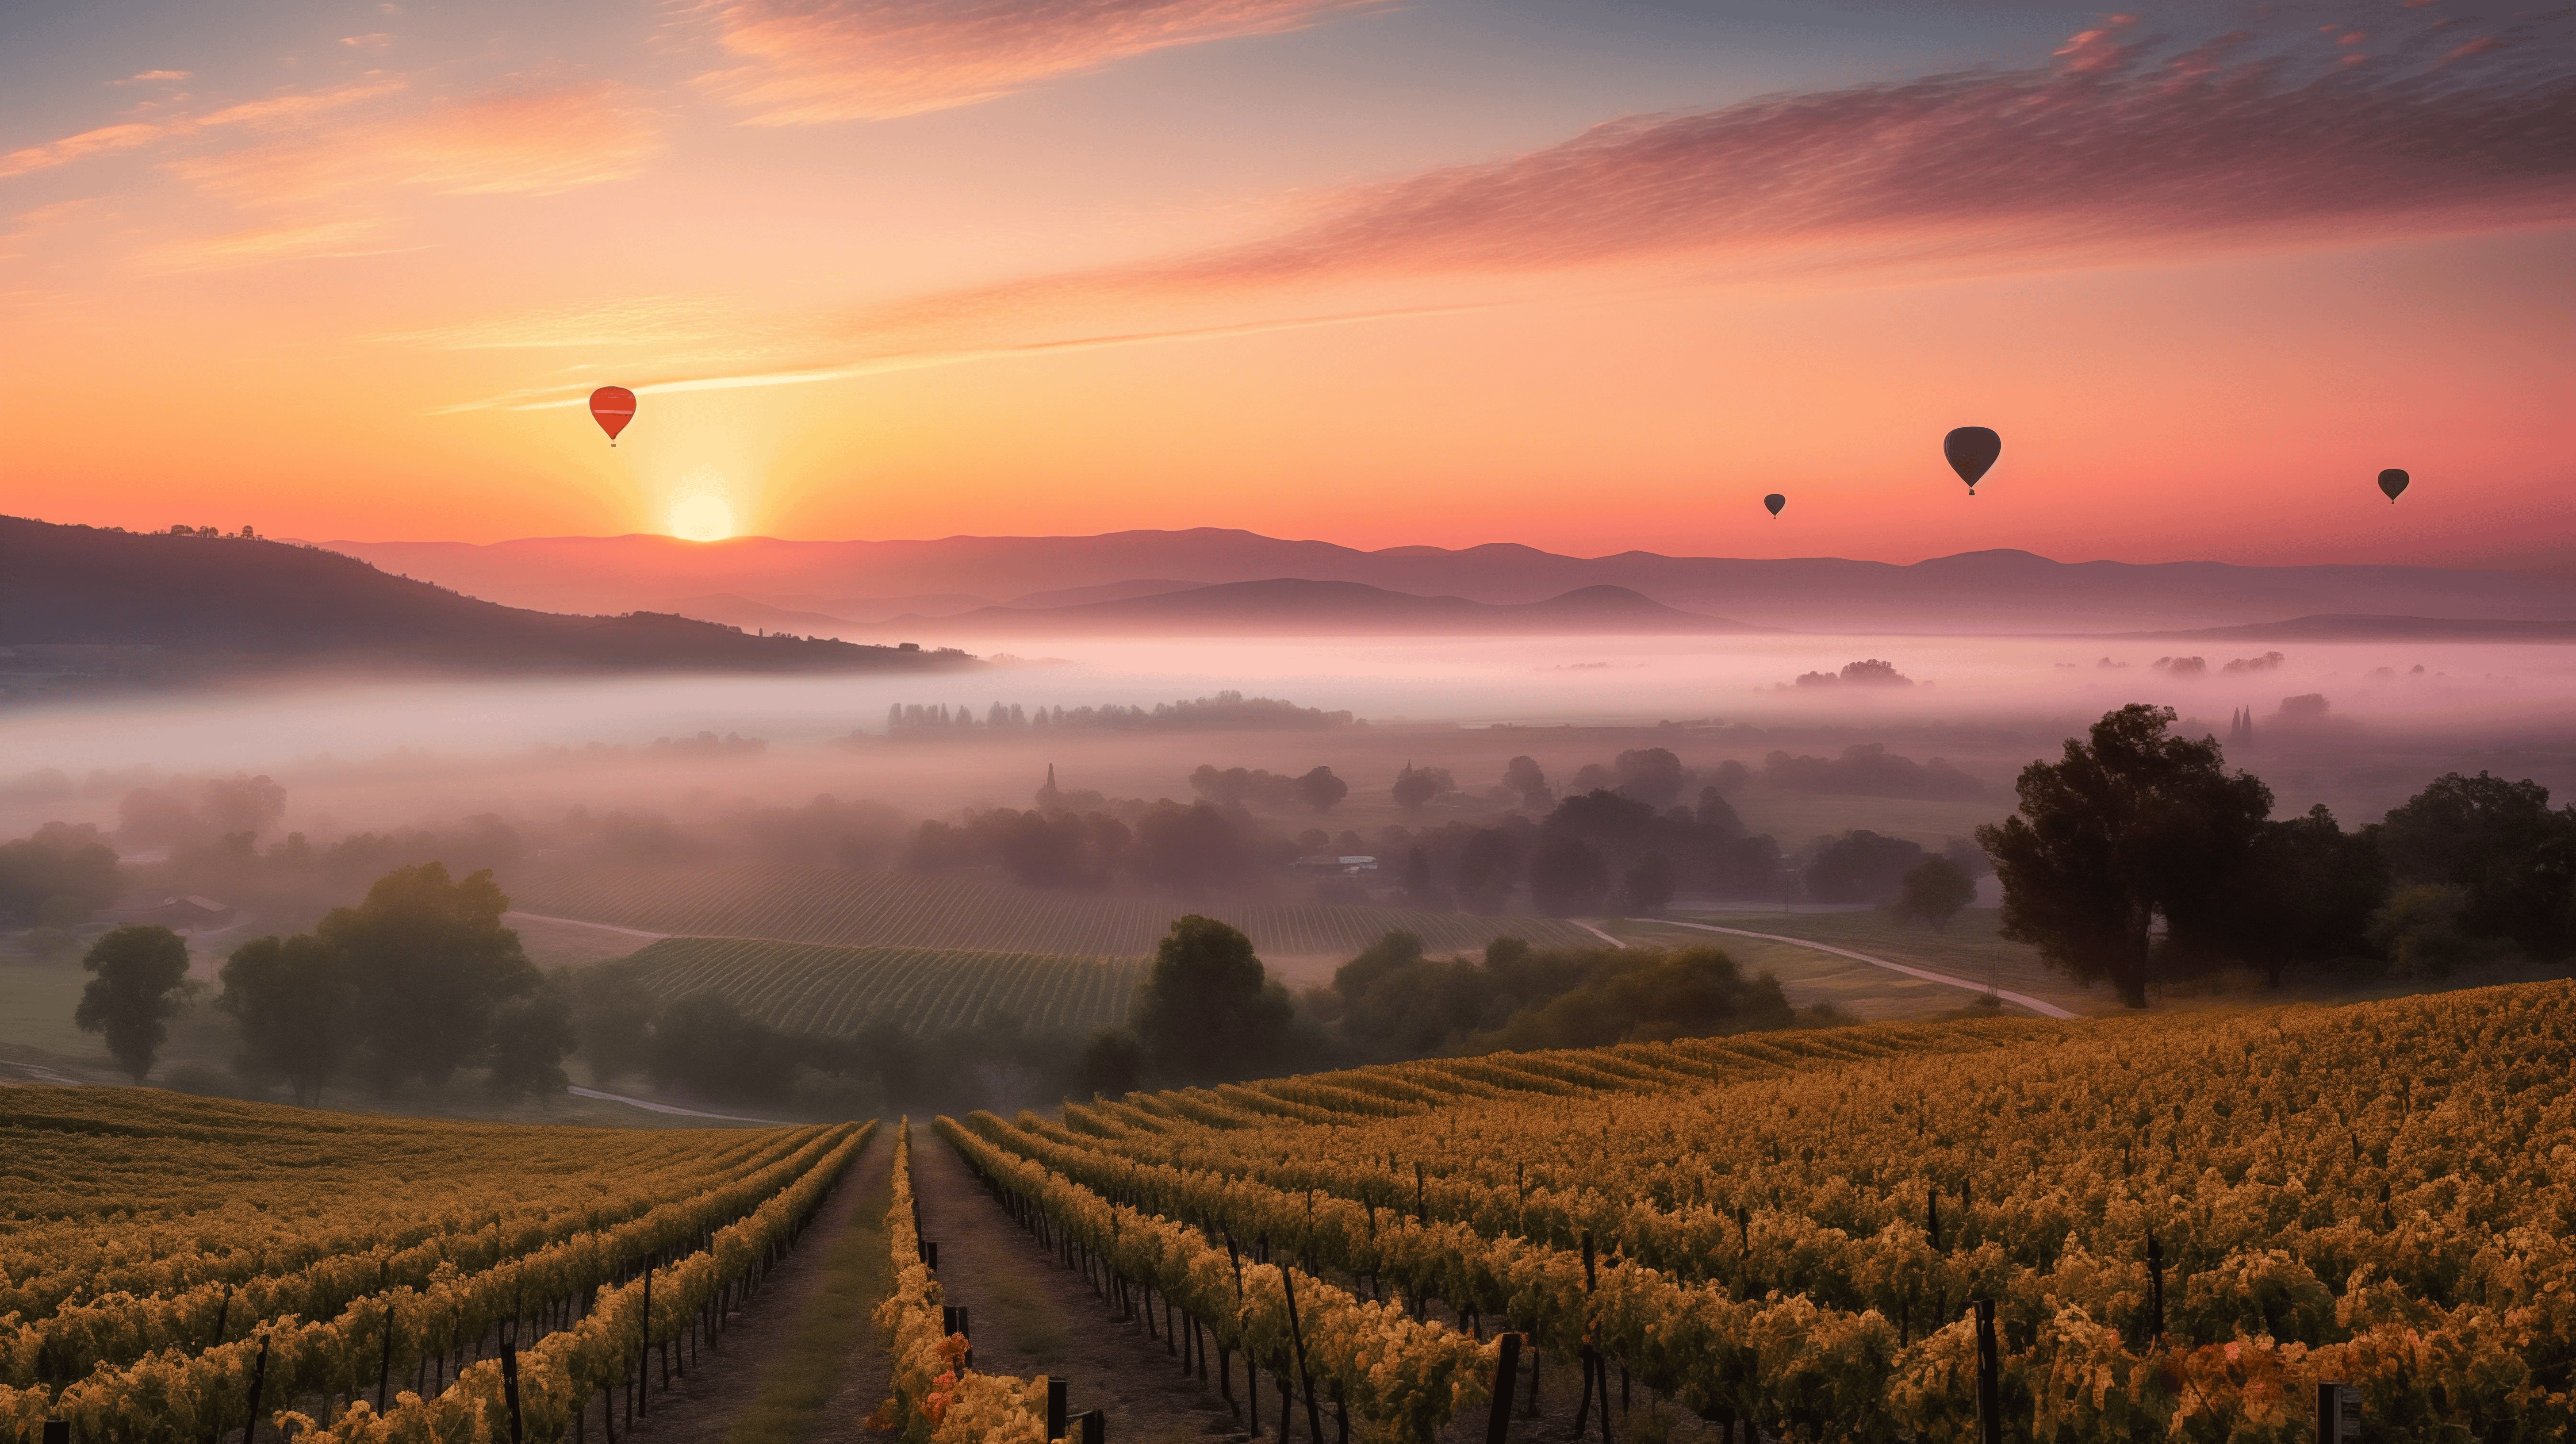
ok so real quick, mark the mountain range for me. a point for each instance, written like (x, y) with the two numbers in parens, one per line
(870, 582)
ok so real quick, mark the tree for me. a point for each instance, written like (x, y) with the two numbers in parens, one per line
(432, 962)
(142, 982)
(296, 1005)
(530, 1035)
(1567, 877)
(612, 1017)
(1521, 775)
(1860, 866)
(1485, 868)
(1650, 774)
(59, 861)
(2500, 843)
(1320, 789)
(1112, 1064)
(1191, 850)
(2306, 893)
(1934, 890)
(1715, 811)
(2129, 826)
(1647, 886)
(1415, 786)
(1209, 1011)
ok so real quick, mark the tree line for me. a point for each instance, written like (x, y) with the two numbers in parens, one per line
(2137, 857)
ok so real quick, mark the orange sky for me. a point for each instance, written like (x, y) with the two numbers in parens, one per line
(1588, 277)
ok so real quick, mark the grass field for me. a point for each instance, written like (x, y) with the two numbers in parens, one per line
(1970, 947)
(806, 988)
(901, 910)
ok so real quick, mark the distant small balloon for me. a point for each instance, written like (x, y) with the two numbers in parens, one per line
(1775, 501)
(612, 407)
(2392, 481)
(1970, 450)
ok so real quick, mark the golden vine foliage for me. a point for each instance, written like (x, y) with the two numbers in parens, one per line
(138, 1220)
(1790, 1226)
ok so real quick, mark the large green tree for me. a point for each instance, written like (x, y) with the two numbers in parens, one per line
(2305, 893)
(142, 982)
(1209, 1011)
(432, 964)
(2131, 825)
(296, 1006)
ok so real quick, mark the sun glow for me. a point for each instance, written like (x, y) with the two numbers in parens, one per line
(703, 519)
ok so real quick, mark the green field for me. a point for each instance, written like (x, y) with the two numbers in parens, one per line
(807, 988)
(1970, 948)
(902, 910)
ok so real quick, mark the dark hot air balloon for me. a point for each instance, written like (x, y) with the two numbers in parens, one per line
(612, 407)
(2392, 481)
(1971, 449)
(1775, 501)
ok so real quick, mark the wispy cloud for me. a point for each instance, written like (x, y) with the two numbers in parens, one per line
(527, 141)
(809, 61)
(2122, 150)
(292, 106)
(293, 241)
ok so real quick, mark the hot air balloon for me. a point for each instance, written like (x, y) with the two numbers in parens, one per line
(612, 407)
(2392, 481)
(1971, 449)
(1775, 501)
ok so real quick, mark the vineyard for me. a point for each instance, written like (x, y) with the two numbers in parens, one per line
(2184, 1224)
(807, 988)
(173, 1267)
(845, 908)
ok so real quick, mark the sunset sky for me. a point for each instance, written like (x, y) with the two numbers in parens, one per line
(1586, 274)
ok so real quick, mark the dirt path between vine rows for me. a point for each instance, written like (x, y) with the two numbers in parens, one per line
(722, 1384)
(1031, 1315)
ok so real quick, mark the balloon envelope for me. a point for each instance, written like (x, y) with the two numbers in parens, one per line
(1775, 501)
(2392, 481)
(1971, 449)
(612, 407)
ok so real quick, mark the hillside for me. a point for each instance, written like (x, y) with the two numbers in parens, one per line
(1985, 591)
(892, 909)
(1296, 606)
(834, 992)
(209, 603)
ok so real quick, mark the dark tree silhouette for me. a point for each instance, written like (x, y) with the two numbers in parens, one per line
(1861, 866)
(1934, 890)
(1715, 811)
(1320, 789)
(1193, 851)
(1415, 786)
(2499, 842)
(1485, 869)
(141, 984)
(1522, 775)
(2129, 825)
(295, 1002)
(1209, 1011)
(1647, 886)
(2305, 893)
(1567, 877)
(529, 1039)
(1651, 775)
(1112, 1064)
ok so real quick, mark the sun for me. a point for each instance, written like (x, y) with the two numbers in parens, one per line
(702, 519)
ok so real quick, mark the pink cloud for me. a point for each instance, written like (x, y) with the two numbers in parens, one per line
(106, 139)
(70, 148)
(812, 61)
(2075, 165)
(154, 75)
(523, 141)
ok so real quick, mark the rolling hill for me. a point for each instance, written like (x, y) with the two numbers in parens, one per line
(213, 603)
(1294, 605)
(847, 908)
(1985, 591)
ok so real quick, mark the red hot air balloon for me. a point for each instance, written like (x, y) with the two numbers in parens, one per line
(2392, 481)
(1775, 501)
(1971, 449)
(612, 407)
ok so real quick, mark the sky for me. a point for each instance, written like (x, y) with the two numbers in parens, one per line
(1590, 275)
